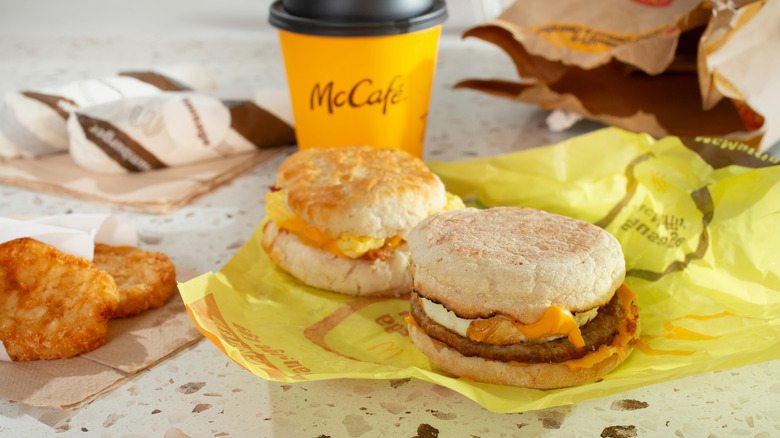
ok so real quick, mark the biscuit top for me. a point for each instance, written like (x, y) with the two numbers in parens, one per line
(360, 190)
(514, 261)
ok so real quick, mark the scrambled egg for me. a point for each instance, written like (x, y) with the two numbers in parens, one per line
(453, 202)
(276, 206)
(346, 245)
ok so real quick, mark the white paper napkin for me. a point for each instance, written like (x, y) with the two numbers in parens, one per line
(74, 234)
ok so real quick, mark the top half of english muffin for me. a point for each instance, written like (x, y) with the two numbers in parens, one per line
(360, 190)
(514, 261)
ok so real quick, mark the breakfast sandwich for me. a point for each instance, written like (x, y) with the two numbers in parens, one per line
(521, 297)
(339, 217)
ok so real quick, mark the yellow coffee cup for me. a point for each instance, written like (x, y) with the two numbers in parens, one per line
(360, 79)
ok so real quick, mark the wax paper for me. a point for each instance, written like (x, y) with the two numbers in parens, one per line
(698, 221)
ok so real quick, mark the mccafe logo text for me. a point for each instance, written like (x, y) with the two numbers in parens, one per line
(364, 93)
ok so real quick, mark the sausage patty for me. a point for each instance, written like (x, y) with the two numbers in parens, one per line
(596, 333)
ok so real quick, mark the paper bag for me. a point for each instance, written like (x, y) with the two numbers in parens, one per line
(133, 345)
(159, 191)
(663, 67)
(695, 218)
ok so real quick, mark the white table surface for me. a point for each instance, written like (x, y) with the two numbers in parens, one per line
(49, 43)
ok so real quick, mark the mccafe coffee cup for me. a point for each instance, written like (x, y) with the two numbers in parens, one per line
(359, 71)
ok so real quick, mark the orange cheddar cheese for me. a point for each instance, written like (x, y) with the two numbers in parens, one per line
(555, 321)
(559, 321)
(310, 235)
(623, 337)
(345, 245)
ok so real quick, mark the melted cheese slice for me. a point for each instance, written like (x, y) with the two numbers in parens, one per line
(345, 245)
(624, 336)
(555, 323)
(617, 346)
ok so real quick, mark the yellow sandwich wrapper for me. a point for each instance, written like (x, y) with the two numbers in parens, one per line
(698, 221)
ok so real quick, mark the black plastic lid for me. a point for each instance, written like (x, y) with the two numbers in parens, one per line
(356, 17)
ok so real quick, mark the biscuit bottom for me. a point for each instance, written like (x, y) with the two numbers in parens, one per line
(323, 270)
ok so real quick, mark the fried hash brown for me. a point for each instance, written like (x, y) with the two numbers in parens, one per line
(52, 304)
(145, 279)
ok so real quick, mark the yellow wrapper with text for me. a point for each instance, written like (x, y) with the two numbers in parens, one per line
(698, 222)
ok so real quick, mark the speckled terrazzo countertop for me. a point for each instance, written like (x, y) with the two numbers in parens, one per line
(200, 392)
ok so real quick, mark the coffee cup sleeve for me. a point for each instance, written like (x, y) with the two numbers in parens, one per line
(33, 122)
(172, 129)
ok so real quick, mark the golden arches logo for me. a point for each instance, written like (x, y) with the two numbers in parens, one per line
(658, 181)
(576, 36)
(389, 347)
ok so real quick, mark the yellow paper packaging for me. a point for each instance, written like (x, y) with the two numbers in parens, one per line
(663, 67)
(697, 218)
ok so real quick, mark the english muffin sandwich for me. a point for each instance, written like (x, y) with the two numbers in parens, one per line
(339, 217)
(518, 296)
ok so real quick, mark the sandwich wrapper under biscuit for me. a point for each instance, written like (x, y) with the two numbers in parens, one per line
(696, 219)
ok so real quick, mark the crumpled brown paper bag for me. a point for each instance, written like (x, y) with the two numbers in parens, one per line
(663, 67)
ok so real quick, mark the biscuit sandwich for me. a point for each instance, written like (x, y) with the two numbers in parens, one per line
(339, 217)
(522, 297)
